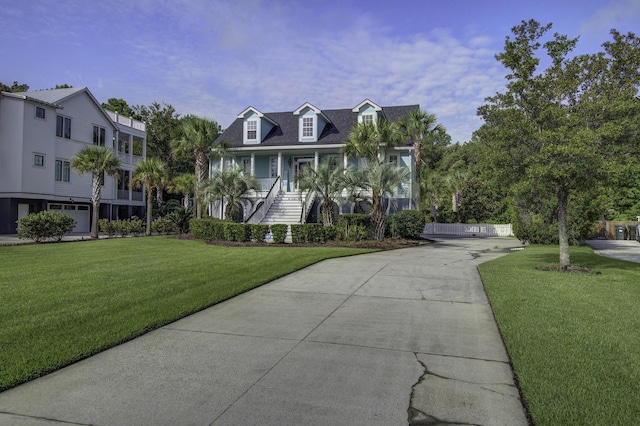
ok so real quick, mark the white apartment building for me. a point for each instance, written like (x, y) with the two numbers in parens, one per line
(40, 132)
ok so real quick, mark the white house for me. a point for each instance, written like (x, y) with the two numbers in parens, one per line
(275, 147)
(40, 132)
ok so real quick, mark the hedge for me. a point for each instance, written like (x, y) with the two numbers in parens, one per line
(45, 226)
(407, 224)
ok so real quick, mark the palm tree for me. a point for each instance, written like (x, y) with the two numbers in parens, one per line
(228, 186)
(183, 185)
(198, 135)
(327, 182)
(366, 139)
(380, 180)
(98, 161)
(435, 184)
(150, 173)
(416, 127)
(457, 181)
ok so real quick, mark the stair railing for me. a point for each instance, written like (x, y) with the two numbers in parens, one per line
(310, 199)
(259, 213)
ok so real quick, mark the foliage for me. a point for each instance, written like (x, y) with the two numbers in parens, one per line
(346, 221)
(98, 161)
(559, 130)
(572, 337)
(379, 180)
(207, 229)
(357, 233)
(240, 232)
(367, 140)
(98, 294)
(45, 226)
(106, 227)
(164, 225)
(278, 232)
(229, 186)
(150, 172)
(180, 219)
(259, 232)
(326, 181)
(195, 141)
(118, 105)
(307, 233)
(185, 185)
(329, 233)
(407, 224)
(15, 87)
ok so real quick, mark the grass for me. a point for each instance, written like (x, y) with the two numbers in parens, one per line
(573, 338)
(64, 302)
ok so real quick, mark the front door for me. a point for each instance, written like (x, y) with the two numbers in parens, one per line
(300, 165)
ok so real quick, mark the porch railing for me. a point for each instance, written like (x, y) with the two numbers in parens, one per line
(311, 198)
(468, 230)
(259, 213)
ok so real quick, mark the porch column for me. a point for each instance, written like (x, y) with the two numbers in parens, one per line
(345, 162)
(315, 160)
(280, 167)
(253, 164)
(221, 165)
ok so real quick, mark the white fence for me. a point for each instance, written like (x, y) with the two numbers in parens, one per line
(467, 230)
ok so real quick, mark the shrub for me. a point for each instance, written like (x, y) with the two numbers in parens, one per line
(298, 233)
(106, 227)
(346, 221)
(237, 231)
(259, 232)
(121, 227)
(407, 224)
(45, 226)
(329, 233)
(207, 228)
(357, 233)
(180, 219)
(163, 226)
(314, 232)
(135, 226)
(278, 232)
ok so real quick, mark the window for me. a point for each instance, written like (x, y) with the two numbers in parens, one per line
(99, 135)
(252, 130)
(367, 118)
(63, 171)
(307, 127)
(273, 167)
(39, 112)
(38, 160)
(393, 159)
(63, 127)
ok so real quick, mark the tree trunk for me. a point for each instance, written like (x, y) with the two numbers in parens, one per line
(377, 218)
(563, 198)
(201, 171)
(417, 147)
(327, 213)
(149, 210)
(95, 215)
(185, 201)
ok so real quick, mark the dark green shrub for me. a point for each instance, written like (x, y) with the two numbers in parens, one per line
(237, 231)
(163, 226)
(357, 233)
(207, 229)
(136, 227)
(121, 227)
(180, 219)
(314, 232)
(278, 232)
(346, 221)
(329, 233)
(298, 233)
(407, 224)
(106, 227)
(259, 232)
(45, 226)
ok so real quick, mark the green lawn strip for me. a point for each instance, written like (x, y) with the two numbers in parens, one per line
(64, 302)
(573, 338)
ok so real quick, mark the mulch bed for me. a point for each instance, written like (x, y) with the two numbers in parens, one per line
(386, 244)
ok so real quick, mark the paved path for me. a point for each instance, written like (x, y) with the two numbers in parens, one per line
(390, 338)
(618, 249)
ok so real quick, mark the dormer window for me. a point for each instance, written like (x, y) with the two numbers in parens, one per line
(367, 111)
(252, 130)
(367, 118)
(307, 127)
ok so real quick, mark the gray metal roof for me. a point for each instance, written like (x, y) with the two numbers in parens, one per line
(52, 96)
(285, 133)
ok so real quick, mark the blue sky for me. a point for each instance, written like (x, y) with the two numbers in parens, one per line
(215, 58)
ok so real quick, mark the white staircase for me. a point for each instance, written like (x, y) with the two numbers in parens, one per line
(285, 209)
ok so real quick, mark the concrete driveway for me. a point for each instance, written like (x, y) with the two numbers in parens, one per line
(390, 338)
(618, 249)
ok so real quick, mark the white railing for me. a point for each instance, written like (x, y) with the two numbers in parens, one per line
(266, 183)
(468, 230)
(127, 121)
(310, 198)
(261, 211)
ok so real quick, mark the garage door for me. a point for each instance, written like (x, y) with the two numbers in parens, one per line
(78, 212)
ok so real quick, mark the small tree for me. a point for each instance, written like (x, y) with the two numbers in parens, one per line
(228, 186)
(183, 185)
(327, 182)
(150, 173)
(98, 161)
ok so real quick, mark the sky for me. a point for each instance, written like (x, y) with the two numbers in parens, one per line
(215, 58)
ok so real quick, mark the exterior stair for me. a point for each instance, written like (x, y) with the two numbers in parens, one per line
(286, 208)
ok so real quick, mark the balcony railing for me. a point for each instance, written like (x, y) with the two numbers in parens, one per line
(126, 121)
(123, 194)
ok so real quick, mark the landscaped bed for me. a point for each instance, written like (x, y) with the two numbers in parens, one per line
(573, 337)
(64, 302)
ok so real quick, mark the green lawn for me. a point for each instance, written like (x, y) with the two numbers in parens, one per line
(63, 302)
(573, 338)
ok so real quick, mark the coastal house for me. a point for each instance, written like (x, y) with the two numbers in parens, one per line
(40, 132)
(276, 147)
